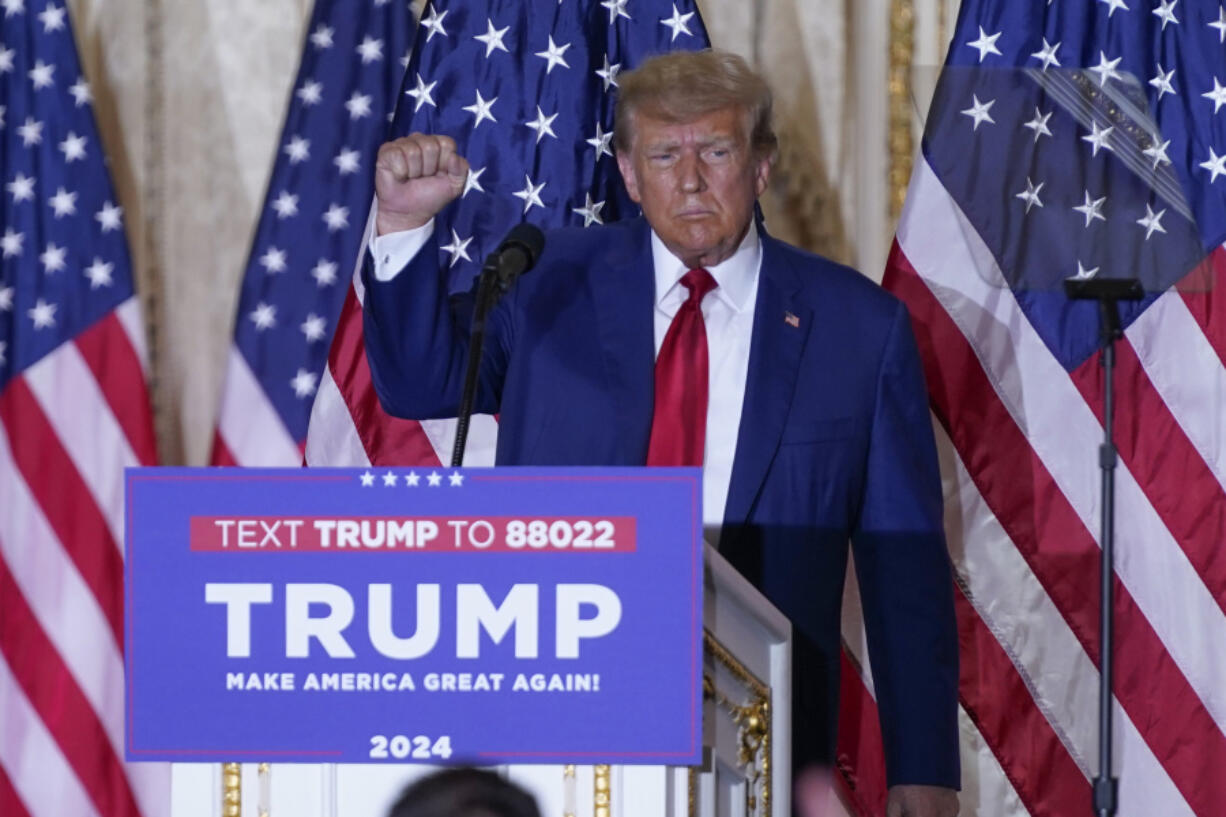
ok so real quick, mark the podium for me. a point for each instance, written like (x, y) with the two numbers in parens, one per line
(746, 770)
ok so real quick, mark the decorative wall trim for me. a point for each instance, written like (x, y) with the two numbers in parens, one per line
(901, 136)
(231, 789)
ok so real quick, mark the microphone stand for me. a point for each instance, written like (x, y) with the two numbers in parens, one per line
(1108, 292)
(488, 290)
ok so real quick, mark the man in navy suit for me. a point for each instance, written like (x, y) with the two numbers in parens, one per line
(689, 336)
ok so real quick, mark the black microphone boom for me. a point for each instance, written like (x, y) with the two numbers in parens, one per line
(514, 256)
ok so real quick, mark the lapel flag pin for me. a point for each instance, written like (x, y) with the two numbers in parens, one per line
(791, 320)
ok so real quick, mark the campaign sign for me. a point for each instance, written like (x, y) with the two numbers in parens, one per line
(506, 615)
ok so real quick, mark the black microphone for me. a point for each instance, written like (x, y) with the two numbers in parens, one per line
(516, 254)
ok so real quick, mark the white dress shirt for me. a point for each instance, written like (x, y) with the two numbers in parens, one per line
(727, 313)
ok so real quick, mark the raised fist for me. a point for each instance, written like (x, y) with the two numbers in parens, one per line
(416, 176)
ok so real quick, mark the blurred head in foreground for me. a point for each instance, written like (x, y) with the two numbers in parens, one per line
(464, 793)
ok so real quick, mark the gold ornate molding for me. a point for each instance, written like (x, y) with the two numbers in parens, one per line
(603, 788)
(265, 797)
(753, 719)
(901, 137)
(231, 789)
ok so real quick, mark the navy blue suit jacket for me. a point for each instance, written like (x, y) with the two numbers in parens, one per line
(835, 444)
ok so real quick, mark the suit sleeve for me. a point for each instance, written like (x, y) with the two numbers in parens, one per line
(417, 340)
(905, 576)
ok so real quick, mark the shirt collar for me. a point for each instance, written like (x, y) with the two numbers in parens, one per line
(736, 275)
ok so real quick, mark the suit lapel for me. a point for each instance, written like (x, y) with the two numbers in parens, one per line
(623, 294)
(780, 328)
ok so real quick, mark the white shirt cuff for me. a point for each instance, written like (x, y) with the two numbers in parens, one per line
(393, 252)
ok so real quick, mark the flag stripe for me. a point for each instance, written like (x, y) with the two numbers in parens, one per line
(1032, 510)
(133, 323)
(1207, 303)
(116, 366)
(1168, 468)
(73, 404)
(392, 441)
(1017, 612)
(249, 425)
(861, 754)
(32, 760)
(55, 697)
(341, 443)
(65, 608)
(986, 790)
(10, 803)
(66, 502)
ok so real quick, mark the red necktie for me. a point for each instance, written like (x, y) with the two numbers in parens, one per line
(679, 421)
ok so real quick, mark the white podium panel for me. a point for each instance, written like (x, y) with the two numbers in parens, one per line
(746, 729)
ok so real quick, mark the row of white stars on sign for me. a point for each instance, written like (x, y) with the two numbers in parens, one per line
(980, 112)
(1091, 208)
(412, 479)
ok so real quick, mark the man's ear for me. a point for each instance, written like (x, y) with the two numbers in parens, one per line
(762, 173)
(625, 163)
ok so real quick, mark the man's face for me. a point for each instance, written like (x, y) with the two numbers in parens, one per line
(696, 182)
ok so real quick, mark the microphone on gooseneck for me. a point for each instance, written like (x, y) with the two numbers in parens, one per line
(516, 254)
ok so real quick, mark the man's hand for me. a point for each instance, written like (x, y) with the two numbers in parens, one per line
(416, 176)
(921, 801)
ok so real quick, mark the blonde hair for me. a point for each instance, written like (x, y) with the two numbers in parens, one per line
(684, 85)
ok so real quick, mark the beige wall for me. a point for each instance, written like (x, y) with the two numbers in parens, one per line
(190, 97)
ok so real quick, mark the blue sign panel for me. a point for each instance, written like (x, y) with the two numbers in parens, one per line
(434, 615)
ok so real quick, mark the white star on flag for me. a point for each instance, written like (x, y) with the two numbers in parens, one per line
(370, 49)
(1152, 222)
(264, 316)
(481, 109)
(53, 257)
(492, 38)
(1166, 12)
(6, 299)
(608, 72)
(1083, 273)
(358, 105)
(531, 194)
(678, 23)
(979, 111)
(1157, 152)
(1220, 25)
(313, 327)
(298, 149)
(1098, 138)
(10, 244)
(22, 188)
(99, 274)
(1114, 4)
(109, 217)
(1162, 81)
(473, 181)
(273, 260)
(601, 142)
(421, 94)
(985, 44)
(542, 125)
(40, 74)
(590, 210)
(1106, 69)
(1217, 95)
(347, 161)
(321, 37)
(1092, 209)
(553, 55)
(311, 92)
(73, 147)
(1216, 165)
(336, 217)
(324, 272)
(1039, 124)
(81, 93)
(457, 249)
(63, 203)
(303, 383)
(1046, 55)
(1031, 194)
(6, 59)
(286, 204)
(434, 24)
(31, 132)
(43, 314)
(617, 8)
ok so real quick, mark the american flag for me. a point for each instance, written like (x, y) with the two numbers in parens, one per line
(527, 90)
(1077, 139)
(74, 412)
(310, 229)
